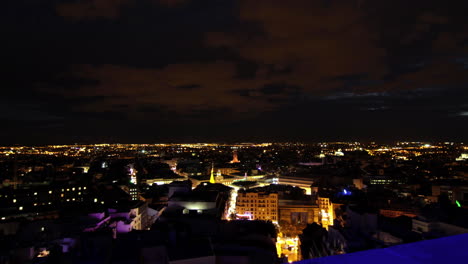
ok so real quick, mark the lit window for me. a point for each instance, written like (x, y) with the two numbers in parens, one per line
(84, 188)
(61, 195)
(73, 189)
(68, 190)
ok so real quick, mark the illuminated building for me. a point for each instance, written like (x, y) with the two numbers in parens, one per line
(209, 202)
(133, 174)
(326, 212)
(212, 178)
(393, 213)
(339, 153)
(384, 180)
(219, 177)
(43, 197)
(259, 205)
(234, 158)
(133, 191)
(463, 156)
(133, 216)
(298, 211)
(358, 183)
(303, 183)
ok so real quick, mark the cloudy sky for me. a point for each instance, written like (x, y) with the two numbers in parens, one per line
(149, 71)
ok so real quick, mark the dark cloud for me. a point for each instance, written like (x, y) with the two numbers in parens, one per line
(94, 69)
(189, 86)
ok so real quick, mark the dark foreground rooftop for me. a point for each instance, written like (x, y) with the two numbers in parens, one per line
(453, 249)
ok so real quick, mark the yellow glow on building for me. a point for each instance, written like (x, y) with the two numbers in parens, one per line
(261, 206)
(326, 212)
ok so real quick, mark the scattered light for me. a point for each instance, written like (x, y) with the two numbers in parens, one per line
(44, 253)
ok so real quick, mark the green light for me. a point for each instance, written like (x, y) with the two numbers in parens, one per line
(458, 203)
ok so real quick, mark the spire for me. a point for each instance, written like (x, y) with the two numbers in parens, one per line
(212, 178)
(234, 157)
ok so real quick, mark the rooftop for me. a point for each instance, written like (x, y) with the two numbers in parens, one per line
(442, 250)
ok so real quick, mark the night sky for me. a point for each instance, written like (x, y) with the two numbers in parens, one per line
(149, 71)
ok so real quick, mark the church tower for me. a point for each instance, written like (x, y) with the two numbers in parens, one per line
(212, 178)
(234, 158)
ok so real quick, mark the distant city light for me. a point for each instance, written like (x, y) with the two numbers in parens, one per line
(44, 253)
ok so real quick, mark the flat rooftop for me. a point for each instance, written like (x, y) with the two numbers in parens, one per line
(452, 249)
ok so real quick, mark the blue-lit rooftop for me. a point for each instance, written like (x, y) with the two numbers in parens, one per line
(453, 249)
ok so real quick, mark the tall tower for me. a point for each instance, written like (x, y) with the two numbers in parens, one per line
(234, 157)
(212, 178)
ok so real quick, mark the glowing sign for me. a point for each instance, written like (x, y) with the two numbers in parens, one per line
(243, 216)
(458, 203)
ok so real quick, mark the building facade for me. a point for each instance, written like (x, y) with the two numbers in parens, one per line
(326, 213)
(257, 205)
